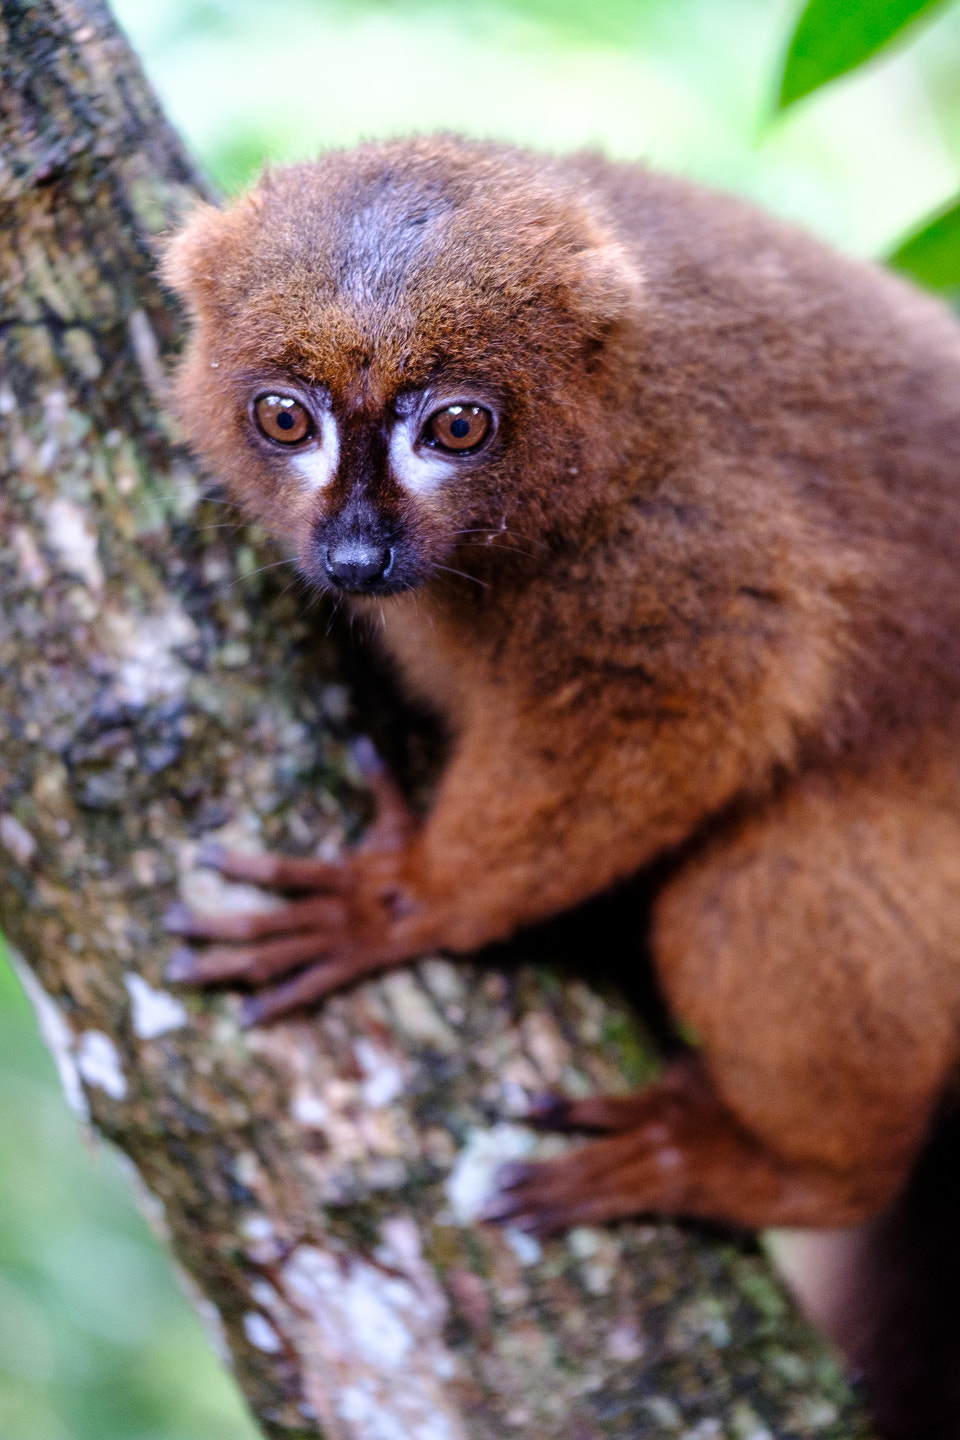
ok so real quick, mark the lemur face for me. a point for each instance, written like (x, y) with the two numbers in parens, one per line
(392, 353)
(363, 469)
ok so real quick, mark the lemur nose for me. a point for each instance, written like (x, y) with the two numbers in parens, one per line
(355, 564)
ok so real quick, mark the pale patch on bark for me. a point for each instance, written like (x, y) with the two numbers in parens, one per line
(141, 651)
(154, 1012)
(98, 1061)
(371, 1349)
(17, 839)
(68, 533)
(261, 1333)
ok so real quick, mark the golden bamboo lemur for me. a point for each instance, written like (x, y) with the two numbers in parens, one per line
(657, 499)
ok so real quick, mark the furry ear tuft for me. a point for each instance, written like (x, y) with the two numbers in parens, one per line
(594, 272)
(565, 246)
(607, 284)
(195, 261)
(187, 255)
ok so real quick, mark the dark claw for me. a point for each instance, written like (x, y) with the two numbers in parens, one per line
(521, 1214)
(210, 853)
(182, 965)
(367, 760)
(249, 1012)
(500, 1207)
(256, 1008)
(511, 1174)
(177, 919)
(542, 1224)
(548, 1110)
(538, 1225)
(503, 1204)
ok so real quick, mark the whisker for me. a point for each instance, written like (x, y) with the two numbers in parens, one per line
(463, 574)
(494, 532)
(274, 565)
(490, 545)
(334, 612)
(296, 580)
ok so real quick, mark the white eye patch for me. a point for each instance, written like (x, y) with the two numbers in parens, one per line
(417, 470)
(317, 465)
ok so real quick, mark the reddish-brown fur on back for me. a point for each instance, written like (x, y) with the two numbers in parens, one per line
(697, 594)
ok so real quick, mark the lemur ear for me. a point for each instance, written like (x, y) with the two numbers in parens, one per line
(588, 270)
(605, 283)
(198, 260)
(186, 258)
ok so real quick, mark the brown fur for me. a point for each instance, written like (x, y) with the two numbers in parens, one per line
(714, 612)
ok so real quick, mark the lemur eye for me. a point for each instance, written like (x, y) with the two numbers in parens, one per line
(283, 419)
(458, 427)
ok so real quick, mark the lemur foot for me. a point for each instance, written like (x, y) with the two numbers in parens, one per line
(674, 1149)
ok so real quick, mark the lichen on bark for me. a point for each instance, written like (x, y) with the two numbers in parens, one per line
(164, 681)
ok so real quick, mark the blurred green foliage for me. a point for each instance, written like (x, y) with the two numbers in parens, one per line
(932, 254)
(834, 36)
(96, 1342)
(96, 1339)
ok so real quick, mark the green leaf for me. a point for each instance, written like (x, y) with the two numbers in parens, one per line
(834, 36)
(932, 254)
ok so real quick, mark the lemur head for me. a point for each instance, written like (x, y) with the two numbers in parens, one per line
(397, 347)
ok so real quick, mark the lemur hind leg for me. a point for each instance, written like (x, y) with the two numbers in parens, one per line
(812, 949)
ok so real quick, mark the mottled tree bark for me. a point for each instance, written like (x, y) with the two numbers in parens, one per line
(317, 1179)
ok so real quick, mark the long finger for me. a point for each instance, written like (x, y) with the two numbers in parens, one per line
(314, 984)
(315, 914)
(281, 872)
(245, 962)
(609, 1113)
